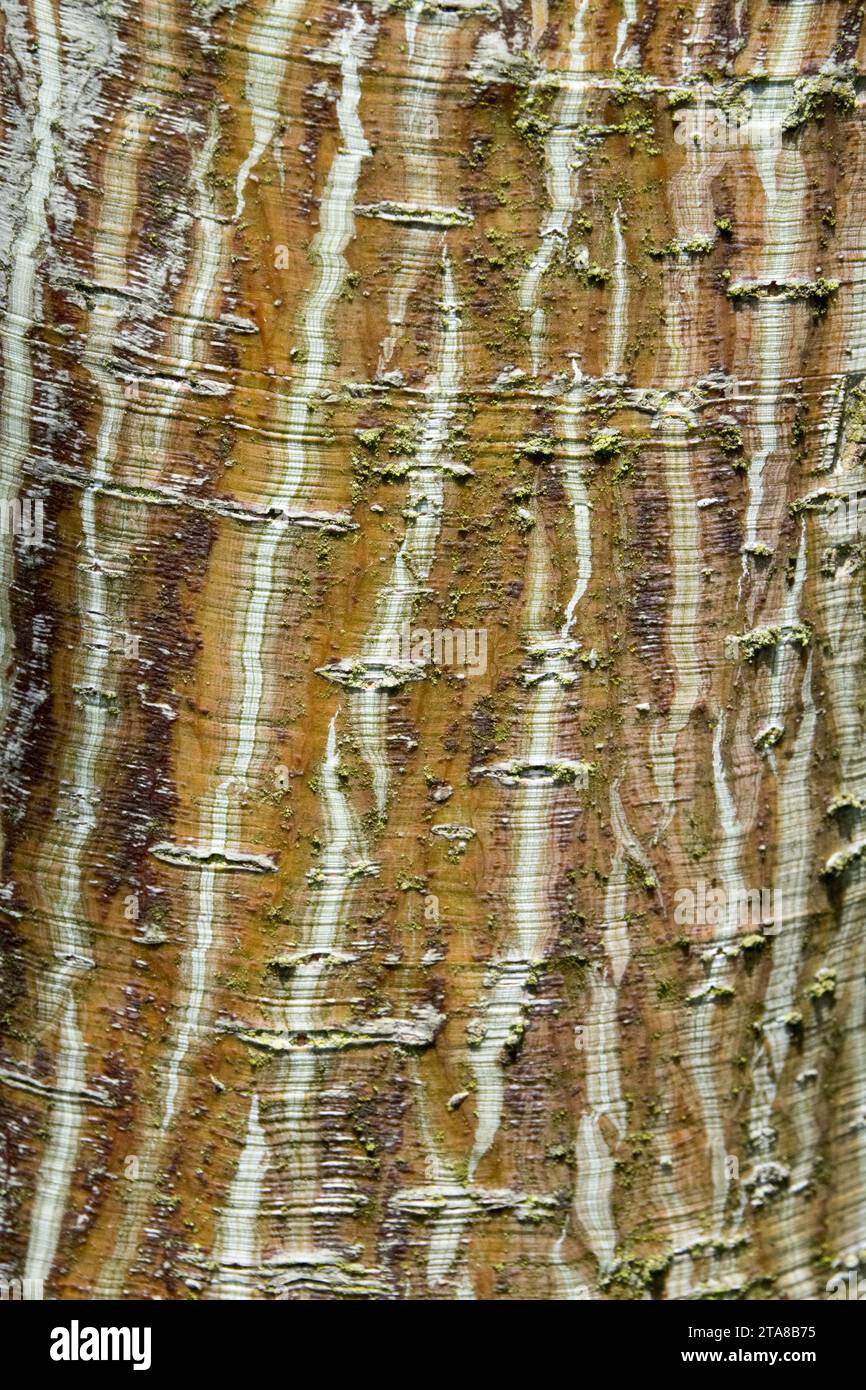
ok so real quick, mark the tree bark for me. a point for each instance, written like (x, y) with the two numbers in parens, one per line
(432, 446)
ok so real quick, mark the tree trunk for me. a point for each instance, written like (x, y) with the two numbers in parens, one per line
(432, 450)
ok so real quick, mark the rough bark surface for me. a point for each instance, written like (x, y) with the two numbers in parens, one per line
(331, 966)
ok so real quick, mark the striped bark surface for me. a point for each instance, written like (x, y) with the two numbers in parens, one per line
(331, 966)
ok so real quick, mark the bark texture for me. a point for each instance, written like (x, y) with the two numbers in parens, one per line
(331, 966)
